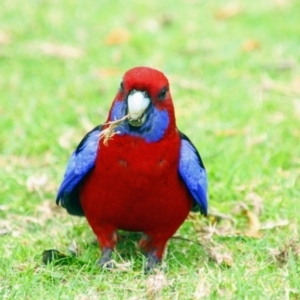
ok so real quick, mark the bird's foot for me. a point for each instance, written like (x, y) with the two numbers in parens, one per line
(152, 261)
(105, 261)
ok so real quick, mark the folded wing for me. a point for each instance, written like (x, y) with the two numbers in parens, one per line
(193, 173)
(80, 163)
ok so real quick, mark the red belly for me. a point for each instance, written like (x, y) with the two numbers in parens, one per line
(135, 186)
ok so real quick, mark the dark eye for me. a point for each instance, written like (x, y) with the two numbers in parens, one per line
(163, 93)
(122, 86)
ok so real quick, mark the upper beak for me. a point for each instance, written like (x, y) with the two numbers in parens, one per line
(138, 101)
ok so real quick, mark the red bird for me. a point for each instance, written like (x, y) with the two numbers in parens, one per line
(146, 178)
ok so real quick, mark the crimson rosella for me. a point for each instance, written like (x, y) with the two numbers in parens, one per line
(146, 178)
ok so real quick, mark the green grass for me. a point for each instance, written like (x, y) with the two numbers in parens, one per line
(235, 77)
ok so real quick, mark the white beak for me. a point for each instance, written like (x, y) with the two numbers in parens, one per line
(137, 103)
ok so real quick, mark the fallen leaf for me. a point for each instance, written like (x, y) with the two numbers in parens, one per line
(4, 231)
(203, 287)
(117, 36)
(255, 201)
(117, 267)
(36, 181)
(250, 45)
(218, 253)
(253, 230)
(63, 51)
(270, 225)
(291, 247)
(230, 132)
(155, 283)
(74, 248)
(151, 25)
(66, 139)
(228, 11)
(254, 225)
(91, 294)
(108, 72)
(217, 217)
(4, 38)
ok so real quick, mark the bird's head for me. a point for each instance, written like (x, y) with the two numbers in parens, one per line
(144, 96)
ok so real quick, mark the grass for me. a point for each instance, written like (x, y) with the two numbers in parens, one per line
(235, 76)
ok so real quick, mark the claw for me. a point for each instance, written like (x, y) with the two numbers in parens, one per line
(105, 260)
(152, 261)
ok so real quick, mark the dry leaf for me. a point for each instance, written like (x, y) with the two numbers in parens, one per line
(228, 11)
(291, 247)
(65, 140)
(117, 267)
(35, 182)
(108, 72)
(255, 201)
(4, 38)
(155, 284)
(218, 253)
(230, 132)
(217, 217)
(250, 45)
(151, 25)
(117, 36)
(4, 231)
(108, 132)
(254, 225)
(203, 287)
(63, 51)
(74, 248)
(270, 225)
(91, 294)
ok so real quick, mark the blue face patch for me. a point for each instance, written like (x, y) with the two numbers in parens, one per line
(152, 130)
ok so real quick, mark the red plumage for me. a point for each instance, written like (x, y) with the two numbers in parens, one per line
(135, 186)
(134, 183)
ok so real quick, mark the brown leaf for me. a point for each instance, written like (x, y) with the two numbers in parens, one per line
(218, 253)
(91, 294)
(255, 201)
(4, 231)
(74, 248)
(108, 72)
(230, 132)
(254, 224)
(117, 36)
(155, 284)
(250, 45)
(35, 182)
(4, 38)
(62, 51)
(291, 247)
(228, 11)
(203, 287)
(271, 224)
(217, 217)
(66, 139)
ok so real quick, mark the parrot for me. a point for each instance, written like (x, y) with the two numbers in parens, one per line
(146, 176)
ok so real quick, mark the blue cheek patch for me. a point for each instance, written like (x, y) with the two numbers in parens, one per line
(152, 130)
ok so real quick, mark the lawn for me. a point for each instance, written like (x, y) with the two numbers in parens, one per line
(234, 69)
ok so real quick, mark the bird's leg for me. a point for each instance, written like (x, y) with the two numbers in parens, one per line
(153, 246)
(107, 240)
(105, 260)
(152, 261)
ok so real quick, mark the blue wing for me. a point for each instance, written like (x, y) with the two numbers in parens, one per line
(193, 173)
(80, 163)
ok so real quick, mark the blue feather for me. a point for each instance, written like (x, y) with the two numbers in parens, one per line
(80, 163)
(193, 173)
(152, 130)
